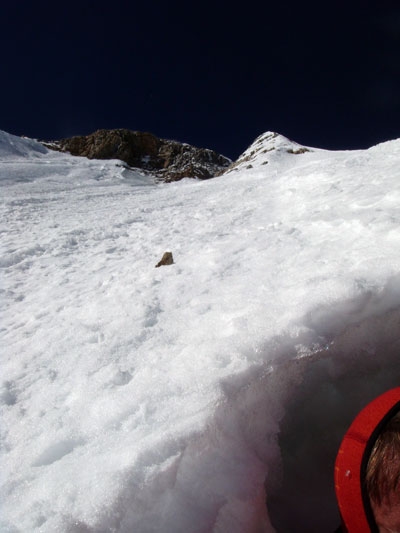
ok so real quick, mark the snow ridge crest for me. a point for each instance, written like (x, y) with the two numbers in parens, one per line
(267, 148)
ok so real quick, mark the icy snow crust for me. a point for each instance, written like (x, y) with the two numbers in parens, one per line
(136, 399)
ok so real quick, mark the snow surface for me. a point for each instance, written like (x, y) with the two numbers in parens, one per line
(177, 399)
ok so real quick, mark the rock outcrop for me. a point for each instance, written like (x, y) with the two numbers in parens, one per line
(167, 160)
(167, 259)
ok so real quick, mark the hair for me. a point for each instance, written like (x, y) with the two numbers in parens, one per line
(382, 478)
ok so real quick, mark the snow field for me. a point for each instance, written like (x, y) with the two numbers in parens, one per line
(143, 399)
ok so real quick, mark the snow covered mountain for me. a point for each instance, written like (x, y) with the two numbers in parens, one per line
(209, 395)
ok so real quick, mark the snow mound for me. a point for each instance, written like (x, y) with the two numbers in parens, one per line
(25, 160)
(12, 146)
(269, 148)
(207, 395)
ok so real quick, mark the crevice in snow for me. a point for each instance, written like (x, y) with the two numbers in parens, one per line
(289, 416)
(360, 363)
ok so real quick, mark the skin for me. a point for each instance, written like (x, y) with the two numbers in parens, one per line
(387, 514)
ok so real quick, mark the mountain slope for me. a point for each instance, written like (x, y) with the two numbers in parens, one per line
(12, 146)
(178, 398)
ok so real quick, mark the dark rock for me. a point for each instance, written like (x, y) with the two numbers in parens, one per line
(301, 150)
(168, 160)
(166, 259)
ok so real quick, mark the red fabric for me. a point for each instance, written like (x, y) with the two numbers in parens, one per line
(349, 460)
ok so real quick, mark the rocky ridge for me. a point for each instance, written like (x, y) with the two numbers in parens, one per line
(167, 160)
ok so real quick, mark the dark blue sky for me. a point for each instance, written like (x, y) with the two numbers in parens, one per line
(215, 75)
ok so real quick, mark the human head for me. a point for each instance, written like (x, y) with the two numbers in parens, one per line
(382, 479)
(361, 509)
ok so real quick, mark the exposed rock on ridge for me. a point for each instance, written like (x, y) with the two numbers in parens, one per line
(267, 148)
(168, 160)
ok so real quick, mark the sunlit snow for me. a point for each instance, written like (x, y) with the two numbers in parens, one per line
(179, 399)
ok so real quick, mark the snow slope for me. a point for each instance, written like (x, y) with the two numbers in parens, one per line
(177, 399)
